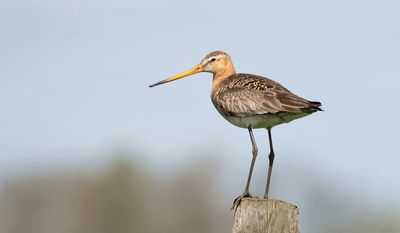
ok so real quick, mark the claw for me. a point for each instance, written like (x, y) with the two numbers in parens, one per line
(237, 201)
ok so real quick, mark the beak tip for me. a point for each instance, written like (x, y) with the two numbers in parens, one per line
(154, 84)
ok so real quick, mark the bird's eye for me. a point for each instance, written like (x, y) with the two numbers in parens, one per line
(213, 59)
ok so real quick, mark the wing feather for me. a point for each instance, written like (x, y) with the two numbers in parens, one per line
(253, 95)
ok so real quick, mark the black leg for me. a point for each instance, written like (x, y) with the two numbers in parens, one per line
(246, 192)
(254, 152)
(271, 163)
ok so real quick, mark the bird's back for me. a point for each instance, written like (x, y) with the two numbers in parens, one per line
(248, 96)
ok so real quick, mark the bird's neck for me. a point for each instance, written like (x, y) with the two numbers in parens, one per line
(223, 74)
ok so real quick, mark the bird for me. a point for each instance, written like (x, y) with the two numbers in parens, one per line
(249, 101)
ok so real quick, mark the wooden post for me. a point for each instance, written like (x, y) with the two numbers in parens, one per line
(255, 215)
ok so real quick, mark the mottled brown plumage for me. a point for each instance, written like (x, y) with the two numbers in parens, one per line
(249, 101)
(248, 95)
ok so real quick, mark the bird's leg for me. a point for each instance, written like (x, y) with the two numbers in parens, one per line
(253, 160)
(271, 162)
(246, 192)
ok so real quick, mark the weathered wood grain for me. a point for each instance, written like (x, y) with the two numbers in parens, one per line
(255, 215)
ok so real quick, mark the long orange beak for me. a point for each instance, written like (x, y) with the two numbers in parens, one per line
(194, 70)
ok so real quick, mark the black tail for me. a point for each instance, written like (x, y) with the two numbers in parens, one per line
(315, 105)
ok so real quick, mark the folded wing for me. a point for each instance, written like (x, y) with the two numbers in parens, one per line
(258, 95)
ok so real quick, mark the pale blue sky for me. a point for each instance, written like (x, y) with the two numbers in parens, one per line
(74, 77)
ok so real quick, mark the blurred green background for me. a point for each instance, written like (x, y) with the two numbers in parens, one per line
(86, 146)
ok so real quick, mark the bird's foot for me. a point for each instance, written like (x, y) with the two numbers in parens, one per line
(237, 200)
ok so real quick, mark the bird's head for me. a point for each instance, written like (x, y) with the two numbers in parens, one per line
(218, 63)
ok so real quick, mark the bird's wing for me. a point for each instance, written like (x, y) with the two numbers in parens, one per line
(242, 100)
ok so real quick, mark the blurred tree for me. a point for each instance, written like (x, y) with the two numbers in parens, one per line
(126, 196)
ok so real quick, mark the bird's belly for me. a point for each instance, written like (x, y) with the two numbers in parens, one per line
(256, 121)
(264, 120)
